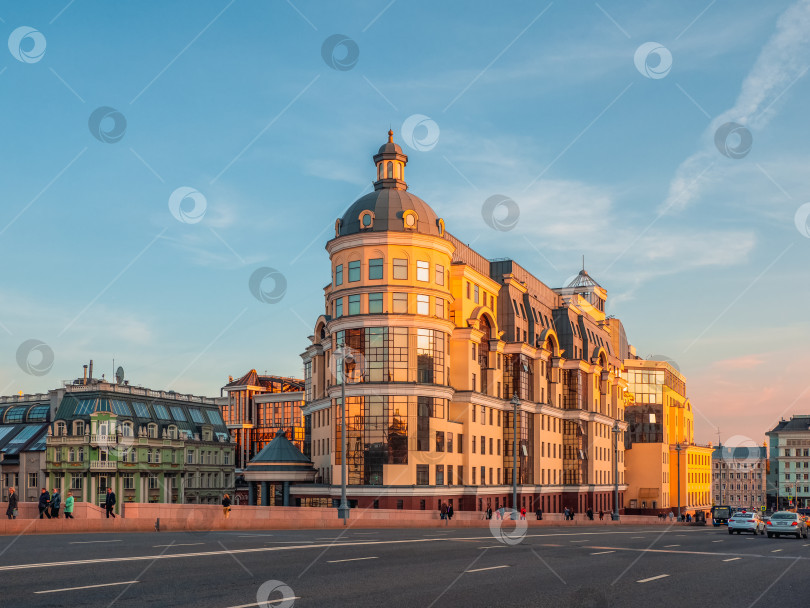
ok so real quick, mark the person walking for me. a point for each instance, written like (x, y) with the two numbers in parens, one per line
(11, 511)
(601, 514)
(56, 503)
(539, 514)
(443, 512)
(589, 513)
(566, 514)
(69, 506)
(226, 506)
(44, 503)
(449, 512)
(523, 513)
(501, 512)
(489, 512)
(109, 503)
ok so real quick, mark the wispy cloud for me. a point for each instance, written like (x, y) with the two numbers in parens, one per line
(783, 60)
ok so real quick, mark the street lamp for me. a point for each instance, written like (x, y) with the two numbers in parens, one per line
(346, 361)
(616, 430)
(678, 449)
(516, 405)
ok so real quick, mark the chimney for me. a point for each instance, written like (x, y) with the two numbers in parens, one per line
(91, 371)
(84, 375)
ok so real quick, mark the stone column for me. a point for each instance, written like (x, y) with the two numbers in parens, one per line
(265, 494)
(285, 493)
(252, 493)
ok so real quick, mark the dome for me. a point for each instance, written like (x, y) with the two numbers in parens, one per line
(388, 207)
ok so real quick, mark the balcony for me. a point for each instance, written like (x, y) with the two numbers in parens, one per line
(103, 465)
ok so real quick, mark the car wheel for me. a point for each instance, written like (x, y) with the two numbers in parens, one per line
(770, 534)
(730, 531)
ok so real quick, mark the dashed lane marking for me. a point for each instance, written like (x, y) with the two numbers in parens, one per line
(602, 552)
(490, 568)
(90, 542)
(667, 546)
(86, 587)
(353, 559)
(732, 559)
(652, 578)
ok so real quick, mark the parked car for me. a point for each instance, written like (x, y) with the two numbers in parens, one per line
(746, 521)
(786, 522)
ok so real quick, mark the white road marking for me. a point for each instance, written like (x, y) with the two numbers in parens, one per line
(578, 541)
(632, 537)
(86, 587)
(717, 541)
(490, 568)
(652, 578)
(252, 535)
(179, 545)
(666, 546)
(776, 551)
(732, 559)
(88, 542)
(354, 559)
(265, 602)
(495, 547)
(602, 552)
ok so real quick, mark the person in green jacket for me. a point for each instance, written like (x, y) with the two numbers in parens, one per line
(69, 506)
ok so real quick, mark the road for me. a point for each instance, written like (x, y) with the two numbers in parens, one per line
(591, 567)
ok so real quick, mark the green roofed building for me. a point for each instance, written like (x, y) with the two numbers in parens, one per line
(147, 445)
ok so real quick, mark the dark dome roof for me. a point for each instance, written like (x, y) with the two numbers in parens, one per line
(389, 148)
(387, 204)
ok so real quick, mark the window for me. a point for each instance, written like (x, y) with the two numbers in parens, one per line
(354, 271)
(338, 275)
(354, 304)
(141, 411)
(483, 445)
(483, 476)
(460, 445)
(422, 271)
(400, 269)
(475, 294)
(440, 308)
(338, 307)
(400, 303)
(439, 474)
(33, 480)
(422, 475)
(129, 481)
(153, 482)
(473, 446)
(76, 481)
(190, 457)
(422, 305)
(375, 303)
(449, 443)
(449, 474)
(460, 475)
(375, 269)
(439, 441)
(151, 430)
(439, 274)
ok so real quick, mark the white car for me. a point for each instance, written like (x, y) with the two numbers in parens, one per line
(746, 521)
(786, 522)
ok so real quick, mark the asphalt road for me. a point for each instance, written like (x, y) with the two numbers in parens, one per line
(556, 567)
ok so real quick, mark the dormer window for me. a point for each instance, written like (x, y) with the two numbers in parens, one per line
(409, 219)
(366, 220)
(151, 430)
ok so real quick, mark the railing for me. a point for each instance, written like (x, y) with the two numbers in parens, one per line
(103, 465)
(121, 388)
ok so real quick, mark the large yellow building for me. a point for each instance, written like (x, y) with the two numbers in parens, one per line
(661, 433)
(442, 340)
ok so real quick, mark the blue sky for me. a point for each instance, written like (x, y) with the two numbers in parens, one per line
(542, 103)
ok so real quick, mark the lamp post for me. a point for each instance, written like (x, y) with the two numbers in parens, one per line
(343, 508)
(678, 449)
(515, 404)
(616, 430)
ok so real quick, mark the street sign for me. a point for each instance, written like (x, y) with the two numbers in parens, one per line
(762, 509)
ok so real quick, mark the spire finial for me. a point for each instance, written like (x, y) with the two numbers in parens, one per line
(390, 136)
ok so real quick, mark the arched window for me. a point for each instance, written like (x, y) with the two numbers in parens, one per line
(151, 430)
(71, 455)
(102, 428)
(380, 171)
(61, 428)
(172, 432)
(149, 455)
(78, 427)
(390, 169)
(127, 430)
(81, 454)
(157, 456)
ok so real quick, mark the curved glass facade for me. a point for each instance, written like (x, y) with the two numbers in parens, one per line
(397, 354)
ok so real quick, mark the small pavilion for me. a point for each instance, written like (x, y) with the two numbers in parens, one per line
(280, 463)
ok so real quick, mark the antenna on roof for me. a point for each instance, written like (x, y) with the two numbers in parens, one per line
(583, 262)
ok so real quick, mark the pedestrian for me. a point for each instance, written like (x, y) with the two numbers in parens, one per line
(450, 513)
(109, 503)
(501, 511)
(572, 515)
(226, 506)
(11, 511)
(443, 511)
(566, 514)
(489, 512)
(69, 506)
(523, 513)
(601, 514)
(589, 513)
(44, 503)
(539, 513)
(56, 503)
(671, 517)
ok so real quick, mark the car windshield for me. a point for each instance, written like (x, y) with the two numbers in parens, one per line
(783, 516)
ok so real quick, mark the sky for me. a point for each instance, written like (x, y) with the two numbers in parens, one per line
(172, 172)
